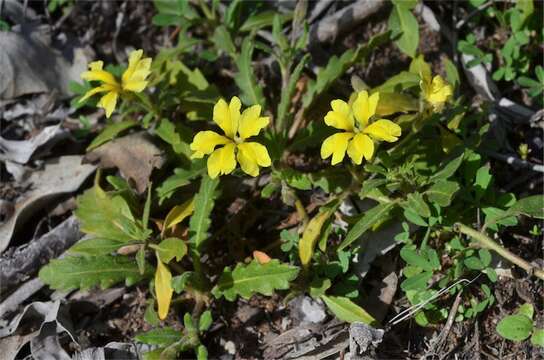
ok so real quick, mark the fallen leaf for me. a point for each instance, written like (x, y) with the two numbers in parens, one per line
(21, 151)
(59, 176)
(134, 155)
(26, 52)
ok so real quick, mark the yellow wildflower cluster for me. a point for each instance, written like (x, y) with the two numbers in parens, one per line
(235, 147)
(133, 80)
(360, 129)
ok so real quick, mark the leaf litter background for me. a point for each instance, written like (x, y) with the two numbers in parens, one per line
(44, 167)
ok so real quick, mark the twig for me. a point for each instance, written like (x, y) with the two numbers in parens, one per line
(463, 21)
(329, 28)
(451, 317)
(20, 295)
(488, 243)
(514, 161)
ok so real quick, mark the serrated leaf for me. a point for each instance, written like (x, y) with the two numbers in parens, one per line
(515, 327)
(161, 337)
(170, 248)
(74, 272)
(110, 132)
(251, 92)
(96, 246)
(346, 310)
(369, 218)
(178, 213)
(203, 203)
(310, 236)
(442, 192)
(246, 280)
(163, 288)
(404, 24)
(180, 282)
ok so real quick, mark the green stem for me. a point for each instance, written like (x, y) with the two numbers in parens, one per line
(488, 243)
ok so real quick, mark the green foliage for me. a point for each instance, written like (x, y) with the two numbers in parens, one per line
(404, 27)
(169, 249)
(74, 272)
(162, 337)
(245, 79)
(200, 220)
(110, 132)
(346, 310)
(246, 280)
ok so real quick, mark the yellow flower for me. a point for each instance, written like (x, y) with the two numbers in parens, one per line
(358, 138)
(133, 79)
(436, 91)
(237, 128)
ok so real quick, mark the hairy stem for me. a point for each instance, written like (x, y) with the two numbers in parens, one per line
(486, 242)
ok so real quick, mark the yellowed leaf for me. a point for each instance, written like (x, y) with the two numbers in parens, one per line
(178, 213)
(163, 288)
(310, 236)
(391, 103)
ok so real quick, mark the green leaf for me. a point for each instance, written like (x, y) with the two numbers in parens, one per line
(161, 337)
(414, 218)
(170, 248)
(222, 40)
(532, 206)
(346, 310)
(515, 327)
(319, 286)
(205, 321)
(402, 81)
(107, 217)
(369, 218)
(417, 204)
(337, 66)
(527, 310)
(168, 132)
(180, 178)
(287, 94)
(200, 220)
(447, 170)
(416, 282)
(452, 75)
(201, 352)
(404, 24)
(474, 263)
(442, 192)
(485, 257)
(246, 280)
(180, 282)
(311, 235)
(413, 258)
(110, 132)
(140, 259)
(96, 246)
(263, 19)
(74, 272)
(252, 94)
(538, 338)
(296, 179)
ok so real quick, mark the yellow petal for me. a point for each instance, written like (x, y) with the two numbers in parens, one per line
(97, 74)
(340, 117)
(227, 115)
(336, 146)
(438, 92)
(136, 73)
(96, 90)
(251, 155)
(360, 146)
(205, 142)
(384, 130)
(365, 106)
(251, 122)
(222, 161)
(108, 102)
(163, 288)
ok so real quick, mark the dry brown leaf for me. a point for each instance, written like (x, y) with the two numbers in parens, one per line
(134, 155)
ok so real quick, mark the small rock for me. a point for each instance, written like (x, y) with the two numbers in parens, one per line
(307, 310)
